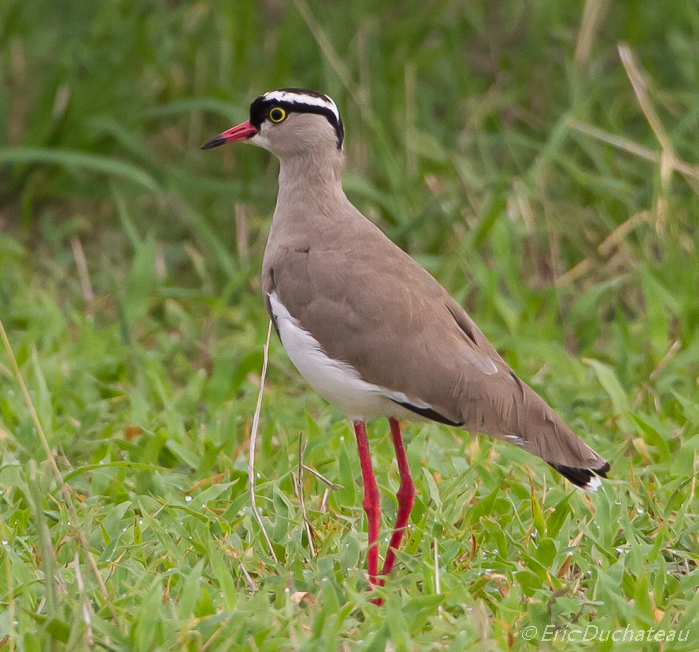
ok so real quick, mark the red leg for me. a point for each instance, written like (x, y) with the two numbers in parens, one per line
(370, 502)
(405, 496)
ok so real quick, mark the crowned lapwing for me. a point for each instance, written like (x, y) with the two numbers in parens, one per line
(368, 328)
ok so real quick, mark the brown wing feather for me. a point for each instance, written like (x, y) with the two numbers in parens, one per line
(369, 304)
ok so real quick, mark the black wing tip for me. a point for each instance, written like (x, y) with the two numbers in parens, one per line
(586, 479)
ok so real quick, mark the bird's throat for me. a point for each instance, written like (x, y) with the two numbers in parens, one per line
(311, 175)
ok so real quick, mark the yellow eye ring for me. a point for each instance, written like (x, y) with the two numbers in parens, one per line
(277, 114)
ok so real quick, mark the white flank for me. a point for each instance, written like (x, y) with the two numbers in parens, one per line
(593, 484)
(300, 98)
(337, 382)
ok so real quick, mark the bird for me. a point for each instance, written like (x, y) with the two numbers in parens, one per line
(371, 330)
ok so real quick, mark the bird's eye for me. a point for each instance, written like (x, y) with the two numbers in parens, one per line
(277, 114)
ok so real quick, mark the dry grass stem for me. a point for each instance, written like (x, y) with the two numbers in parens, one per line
(11, 603)
(593, 15)
(437, 581)
(613, 240)
(616, 237)
(639, 82)
(242, 233)
(81, 262)
(668, 159)
(674, 348)
(65, 489)
(627, 145)
(215, 635)
(615, 141)
(693, 485)
(410, 119)
(249, 579)
(324, 501)
(87, 618)
(306, 523)
(326, 47)
(322, 478)
(253, 442)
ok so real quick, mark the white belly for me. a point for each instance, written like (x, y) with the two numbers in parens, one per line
(335, 380)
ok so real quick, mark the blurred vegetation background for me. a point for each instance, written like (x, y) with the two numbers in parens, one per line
(538, 157)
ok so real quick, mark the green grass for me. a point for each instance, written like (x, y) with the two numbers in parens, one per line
(462, 146)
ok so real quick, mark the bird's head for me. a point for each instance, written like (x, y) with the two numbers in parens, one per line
(288, 122)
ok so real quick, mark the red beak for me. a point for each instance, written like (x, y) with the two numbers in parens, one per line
(235, 135)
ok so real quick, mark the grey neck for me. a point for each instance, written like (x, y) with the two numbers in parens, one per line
(311, 177)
